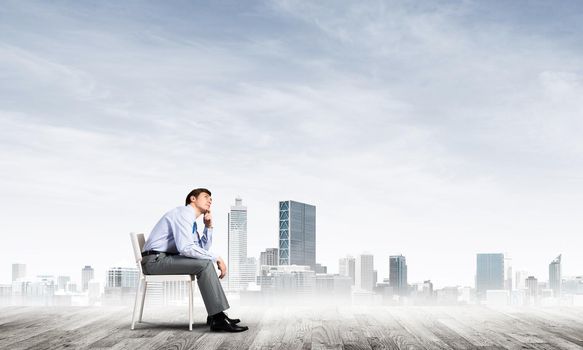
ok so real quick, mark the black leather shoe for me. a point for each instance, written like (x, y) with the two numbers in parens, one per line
(222, 324)
(232, 320)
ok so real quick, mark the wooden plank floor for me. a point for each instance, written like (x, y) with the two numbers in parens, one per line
(309, 327)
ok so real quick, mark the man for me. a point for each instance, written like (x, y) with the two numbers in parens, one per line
(175, 246)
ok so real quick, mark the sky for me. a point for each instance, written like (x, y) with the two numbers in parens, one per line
(436, 130)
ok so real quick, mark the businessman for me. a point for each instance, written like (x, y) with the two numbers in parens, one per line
(176, 246)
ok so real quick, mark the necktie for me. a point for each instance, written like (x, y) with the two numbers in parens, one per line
(202, 240)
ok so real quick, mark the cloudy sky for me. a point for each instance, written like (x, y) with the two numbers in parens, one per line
(433, 129)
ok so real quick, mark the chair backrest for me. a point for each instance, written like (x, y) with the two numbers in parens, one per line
(138, 242)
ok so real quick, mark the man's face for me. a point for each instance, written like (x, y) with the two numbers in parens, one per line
(203, 202)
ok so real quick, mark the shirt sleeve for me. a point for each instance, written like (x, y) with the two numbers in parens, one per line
(182, 230)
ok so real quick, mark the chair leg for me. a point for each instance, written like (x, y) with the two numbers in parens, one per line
(190, 305)
(144, 288)
(138, 290)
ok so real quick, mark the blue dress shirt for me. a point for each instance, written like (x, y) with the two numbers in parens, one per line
(176, 233)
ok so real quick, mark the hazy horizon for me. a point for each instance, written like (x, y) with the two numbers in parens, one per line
(434, 130)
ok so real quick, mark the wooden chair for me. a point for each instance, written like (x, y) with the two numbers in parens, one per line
(138, 242)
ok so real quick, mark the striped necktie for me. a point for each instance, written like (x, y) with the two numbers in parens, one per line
(202, 240)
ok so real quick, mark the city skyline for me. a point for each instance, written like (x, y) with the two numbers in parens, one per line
(332, 267)
(436, 130)
(492, 286)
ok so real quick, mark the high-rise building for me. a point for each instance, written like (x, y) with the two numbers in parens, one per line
(398, 274)
(18, 271)
(364, 272)
(237, 244)
(532, 286)
(346, 267)
(87, 274)
(269, 257)
(489, 273)
(297, 234)
(555, 276)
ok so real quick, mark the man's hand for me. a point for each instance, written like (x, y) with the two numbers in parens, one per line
(208, 219)
(222, 267)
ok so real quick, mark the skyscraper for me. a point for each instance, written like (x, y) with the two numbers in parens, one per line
(346, 267)
(18, 271)
(269, 257)
(398, 274)
(489, 273)
(237, 244)
(364, 272)
(87, 274)
(555, 276)
(532, 286)
(297, 234)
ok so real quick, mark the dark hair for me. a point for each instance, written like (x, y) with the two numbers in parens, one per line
(195, 193)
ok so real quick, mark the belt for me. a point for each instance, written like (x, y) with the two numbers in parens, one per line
(152, 252)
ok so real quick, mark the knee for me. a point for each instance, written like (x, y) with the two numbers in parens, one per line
(208, 266)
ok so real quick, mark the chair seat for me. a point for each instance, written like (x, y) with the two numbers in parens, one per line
(165, 278)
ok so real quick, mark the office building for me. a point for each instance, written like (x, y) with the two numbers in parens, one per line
(319, 268)
(555, 276)
(121, 284)
(398, 274)
(269, 257)
(297, 234)
(18, 271)
(287, 280)
(122, 277)
(489, 273)
(333, 285)
(532, 286)
(248, 272)
(346, 267)
(87, 274)
(237, 224)
(364, 272)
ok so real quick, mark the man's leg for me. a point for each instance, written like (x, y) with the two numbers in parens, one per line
(210, 287)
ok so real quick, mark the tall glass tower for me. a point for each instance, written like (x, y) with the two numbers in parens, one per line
(297, 234)
(237, 244)
(398, 274)
(489, 273)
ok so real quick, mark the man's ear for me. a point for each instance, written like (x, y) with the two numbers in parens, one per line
(192, 199)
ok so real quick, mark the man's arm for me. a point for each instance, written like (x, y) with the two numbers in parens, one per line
(208, 229)
(182, 229)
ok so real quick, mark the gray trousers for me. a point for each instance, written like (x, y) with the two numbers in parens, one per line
(211, 290)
